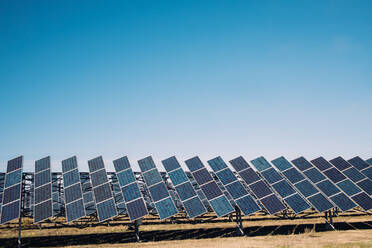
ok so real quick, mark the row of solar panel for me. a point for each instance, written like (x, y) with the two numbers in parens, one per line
(345, 183)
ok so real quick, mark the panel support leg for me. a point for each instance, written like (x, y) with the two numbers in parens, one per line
(239, 222)
(329, 220)
(20, 214)
(136, 230)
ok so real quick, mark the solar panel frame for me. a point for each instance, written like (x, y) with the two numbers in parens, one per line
(97, 166)
(68, 165)
(136, 209)
(160, 201)
(88, 198)
(215, 196)
(43, 166)
(250, 178)
(300, 204)
(193, 205)
(7, 210)
(232, 184)
(2, 183)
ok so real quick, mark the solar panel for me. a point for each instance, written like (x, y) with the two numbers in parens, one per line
(362, 166)
(294, 200)
(307, 189)
(343, 182)
(357, 178)
(103, 198)
(216, 198)
(240, 195)
(188, 196)
(158, 190)
(369, 161)
(89, 204)
(74, 204)
(43, 202)
(11, 202)
(259, 188)
(118, 195)
(136, 207)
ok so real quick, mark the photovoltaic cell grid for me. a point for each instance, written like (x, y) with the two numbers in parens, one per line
(259, 188)
(56, 195)
(102, 193)
(345, 184)
(362, 166)
(133, 199)
(240, 195)
(218, 201)
(189, 198)
(11, 201)
(293, 199)
(74, 204)
(302, 184)
(43, 202)
(369, 161)
(89, 204)
(329, 189)
(157, 188)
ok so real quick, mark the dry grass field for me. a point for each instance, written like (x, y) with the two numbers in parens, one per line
(353, 230)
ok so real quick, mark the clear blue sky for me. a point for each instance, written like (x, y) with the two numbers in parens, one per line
(185, 78)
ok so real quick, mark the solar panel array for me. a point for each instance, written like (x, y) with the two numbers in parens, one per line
(208, 185)
(134, 202)
(188, 196)
(103, 198)
(353, 174)
(74, 204)
(327, 187)
(258, 186)
(303, 185)
(11, 204)
(2, 181)
(159, 193)
(369, 161)
(240, 195)
(43, 202)
(344, 183)
(89, 204)
(118, 195)
(289, 195)
(363, 166)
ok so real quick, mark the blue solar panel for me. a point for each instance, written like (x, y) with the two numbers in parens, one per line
(10, 206)
(208, 185)
(334, 175)
(314, 175)
(271, 176)
(226, 176)
(366, 186)
(103, 196)
(343, 202)
(354, 174)
(283, 188)
(152, 177)
(363, 200)
(369, 161)
(132, 196)
(189, 198)
(340, 163)
(328, 187)
(359, 163)
(305, 186)
(71, 177)
(159, 193)
(349, 187)
(368, 172)
(178, 176)
(261, 164)
(268, 199)
(321, 163)
(297, 203)
(281, 163)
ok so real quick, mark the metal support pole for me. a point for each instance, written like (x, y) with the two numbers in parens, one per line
(239, 222)
(20, 214)
(136, 229)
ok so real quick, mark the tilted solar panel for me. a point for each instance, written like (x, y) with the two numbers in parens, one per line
(89, 204)
(362, 166)
(357, 178)
(11, 202)
(344, 183)
(294, 200)
(74, 204)
(305, 186)
(136, 207)
(240, 195)
(216, 198)
(103, 198)
(259, 188)
(369, 161)
(118, 195)
(43, 203)
(158, 190)
(188, 196)
(2, 181)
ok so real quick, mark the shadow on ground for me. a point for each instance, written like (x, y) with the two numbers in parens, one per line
(197, 233)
